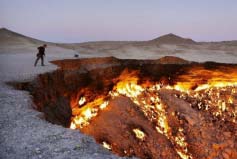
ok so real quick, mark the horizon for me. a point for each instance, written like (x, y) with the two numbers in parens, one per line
(116, 40)
(80, 21)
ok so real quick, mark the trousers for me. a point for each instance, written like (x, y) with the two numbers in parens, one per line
(42, 60)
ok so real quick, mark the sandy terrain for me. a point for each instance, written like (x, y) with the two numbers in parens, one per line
(23, 131)
(168, 45)
(24, 134)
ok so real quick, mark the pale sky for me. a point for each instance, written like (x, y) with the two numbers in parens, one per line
(96, 20)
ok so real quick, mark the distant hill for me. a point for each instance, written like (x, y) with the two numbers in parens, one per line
(10, 37)
(170, 44)
(172, 39)
(12, 42)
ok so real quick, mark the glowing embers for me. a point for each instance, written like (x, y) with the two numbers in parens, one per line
(208, 90)
(219, 101)
(139, 134)
(82, 116)
(155, 111)
(106, 145)
(127, 84)
(199, 78)
(82, 101)
(181, 144)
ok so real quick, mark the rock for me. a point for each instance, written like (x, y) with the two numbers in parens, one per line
(230, 143)
(58, 112)
(77, 147)
(227, 134)
(37, 150)
(228, 151)
(216, 146)
(56, 150)
(225, 155)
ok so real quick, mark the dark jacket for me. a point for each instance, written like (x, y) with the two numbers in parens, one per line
(41, 51)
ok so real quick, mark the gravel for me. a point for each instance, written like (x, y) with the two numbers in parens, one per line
(23, 131)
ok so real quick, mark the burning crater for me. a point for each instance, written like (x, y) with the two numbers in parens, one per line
(167, 108)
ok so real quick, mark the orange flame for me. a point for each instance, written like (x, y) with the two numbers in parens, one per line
(139, 134)
(199, 78)
(82, 116)
(193, 82)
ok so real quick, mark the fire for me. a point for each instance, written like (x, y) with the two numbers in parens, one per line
(199, 78)
(231, 100)
(82, 101)
(82, 116)
(130, 88)
(139, 134)
(197, 83)
(127, 85)
(106, 145)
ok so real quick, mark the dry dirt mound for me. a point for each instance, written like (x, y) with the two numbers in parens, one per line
(87, 63)
(71, 64)
(13, 38)
(172, 60)
(173, 39)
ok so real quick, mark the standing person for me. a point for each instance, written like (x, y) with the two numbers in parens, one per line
(41, 54)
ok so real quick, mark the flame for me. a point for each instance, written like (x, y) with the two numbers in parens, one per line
(73, 126)
(196, 83)
(127, 85)
(139, 134)
(231, 100)
(106, 145)
(199, 78)
(82, 101)
(82, 116)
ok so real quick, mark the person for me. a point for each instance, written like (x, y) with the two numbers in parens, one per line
(40, 55)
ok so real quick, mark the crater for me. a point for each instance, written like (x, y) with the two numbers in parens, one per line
(166, 108)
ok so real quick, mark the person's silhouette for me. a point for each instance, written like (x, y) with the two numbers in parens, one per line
(40, 55)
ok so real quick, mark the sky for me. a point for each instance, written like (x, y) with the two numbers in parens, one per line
(117, 20)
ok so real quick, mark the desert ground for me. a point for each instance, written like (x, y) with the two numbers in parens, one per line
(23, 131)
